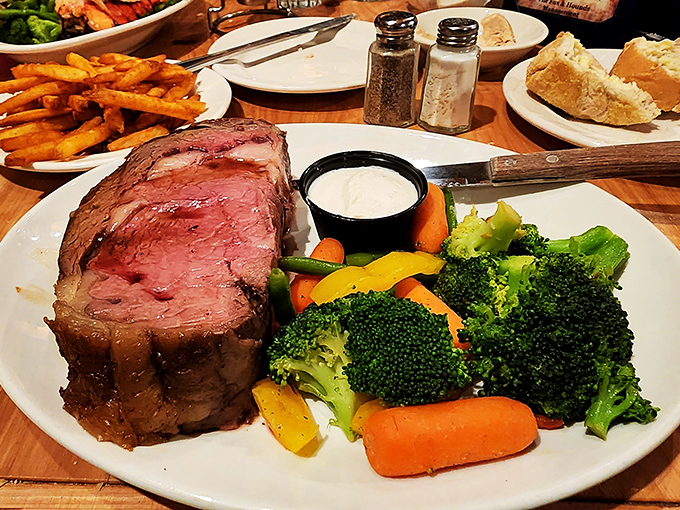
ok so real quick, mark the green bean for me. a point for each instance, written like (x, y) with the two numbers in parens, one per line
(279, 292)
(361, 259)
(308, 265)
(451, 218)
(13, 13)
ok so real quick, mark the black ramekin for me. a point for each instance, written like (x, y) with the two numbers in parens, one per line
(364, 234)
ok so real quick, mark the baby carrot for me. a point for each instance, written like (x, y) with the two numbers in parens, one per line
(430, 224)
(328, 249)
(403, 441)
(412, 289)
(549, 423)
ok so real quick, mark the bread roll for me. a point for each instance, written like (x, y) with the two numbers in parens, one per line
(565, 75)
(655, 67)
(495, 30)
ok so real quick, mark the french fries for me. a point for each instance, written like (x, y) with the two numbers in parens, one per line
(110, 102)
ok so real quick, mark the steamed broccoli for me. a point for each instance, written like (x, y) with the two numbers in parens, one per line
(546, 346)
(618, 398)
(29, 22)
(370, 343)
(475, 235)
(15, 31)
(543, 324)
(43, 30)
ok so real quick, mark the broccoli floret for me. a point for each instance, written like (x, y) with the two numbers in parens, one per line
(310, 350)
(15, 31)
(464, 282)
(475, 235)
(546, 349)
(542, 320)
(43, 30)
(530, 242)
(489, 280)
(371, 343)
(401, 352)
(618, 398)
(603, 252)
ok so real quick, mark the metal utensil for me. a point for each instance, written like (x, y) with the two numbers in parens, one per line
(321, 37)
(198, 63)
(658, 159)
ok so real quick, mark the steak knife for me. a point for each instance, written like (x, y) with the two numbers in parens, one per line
(197, 63)
(657, 159)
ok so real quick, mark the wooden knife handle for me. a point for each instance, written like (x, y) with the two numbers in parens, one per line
(635, 160)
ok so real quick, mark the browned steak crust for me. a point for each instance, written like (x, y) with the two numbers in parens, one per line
(162, 302)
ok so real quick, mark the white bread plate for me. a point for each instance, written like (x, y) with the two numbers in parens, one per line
(119, 39)
(528, 31)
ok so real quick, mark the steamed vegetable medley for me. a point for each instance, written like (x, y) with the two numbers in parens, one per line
(486, 331)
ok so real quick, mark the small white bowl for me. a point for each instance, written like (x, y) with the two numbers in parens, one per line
(528, 31)
(119, 39)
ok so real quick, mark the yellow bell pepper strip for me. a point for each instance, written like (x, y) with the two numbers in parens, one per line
(381, 274)
(286, 413)
(365, 411)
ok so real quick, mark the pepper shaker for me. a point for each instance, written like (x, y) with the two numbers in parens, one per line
(451, 72)
(392, 74)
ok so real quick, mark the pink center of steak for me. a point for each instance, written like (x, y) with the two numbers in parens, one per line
(187, 249)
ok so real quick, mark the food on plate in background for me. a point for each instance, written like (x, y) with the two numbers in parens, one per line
(567, 76)
(110, 102)
(29, 22)
(654, 66)
(495, 30)
(42, 21)
(162, 302)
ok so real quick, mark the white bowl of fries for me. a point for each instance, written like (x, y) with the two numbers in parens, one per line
(95, 110)
(119, 39)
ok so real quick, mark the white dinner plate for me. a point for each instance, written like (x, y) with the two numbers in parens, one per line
(214, 91)
(247, 468)
(584, 133)
(339, 64)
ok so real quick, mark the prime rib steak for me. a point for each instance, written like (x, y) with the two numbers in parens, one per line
(162, 302)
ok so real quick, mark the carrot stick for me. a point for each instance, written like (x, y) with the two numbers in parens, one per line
(430, 224)
(403, 441)
(549, 423)
(412, 289)
(328, 249)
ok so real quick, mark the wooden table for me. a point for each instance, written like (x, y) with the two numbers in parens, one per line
(35, 472)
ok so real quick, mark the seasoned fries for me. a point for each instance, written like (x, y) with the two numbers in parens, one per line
(110, 102)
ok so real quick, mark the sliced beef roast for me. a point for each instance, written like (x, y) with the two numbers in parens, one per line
(162, 302)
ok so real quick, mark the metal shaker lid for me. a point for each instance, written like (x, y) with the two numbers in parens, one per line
(457, 32)
(395, 23)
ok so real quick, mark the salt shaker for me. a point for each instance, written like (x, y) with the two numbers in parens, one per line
(392, 74)
(451, 72)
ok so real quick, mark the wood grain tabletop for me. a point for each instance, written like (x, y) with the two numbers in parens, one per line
(37, 473)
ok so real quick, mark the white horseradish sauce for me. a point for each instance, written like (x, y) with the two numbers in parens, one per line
(363, 192)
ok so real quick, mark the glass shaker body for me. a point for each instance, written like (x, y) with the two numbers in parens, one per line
(449, 85)
(392, 74)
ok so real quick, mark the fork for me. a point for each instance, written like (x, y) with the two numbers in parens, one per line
(320, 38)
(197, 63)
